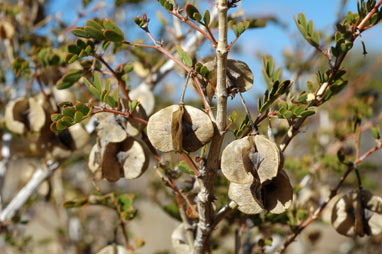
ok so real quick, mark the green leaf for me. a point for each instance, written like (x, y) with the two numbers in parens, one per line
(80, 43)
(110, 35)
(80, 32)
(206, 18)
(105, 45)
(94, 24)
(193, 12)
(56, 117)
(375, 133)
(184, 168)
(78, 116)
(92, 89)
(68, 111)
(97, 81)
(128, 68)
(69, 79)
(110, 25)
(94, 33)
(85, 110)
(186, 59)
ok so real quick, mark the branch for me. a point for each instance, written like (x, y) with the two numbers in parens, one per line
(333, 193)
(5, 155)
(208, 169)
(39, 176)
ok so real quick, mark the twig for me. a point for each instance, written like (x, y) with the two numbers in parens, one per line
(125, 114)
(333, 193)
(184, 88)
(5, 157)
(168, 180)
(253, 126)
(39, 176)
(207, 35)
(224, 212)
(116, 75)
(208, 172)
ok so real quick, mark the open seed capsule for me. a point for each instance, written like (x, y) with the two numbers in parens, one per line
(358, 213)
(179, 127)
(251, 157)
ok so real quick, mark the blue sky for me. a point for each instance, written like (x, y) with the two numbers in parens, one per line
(271, 40)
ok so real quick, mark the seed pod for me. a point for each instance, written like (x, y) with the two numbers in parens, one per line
(23, 115)
(277, 193)
(239, 77)
(145, 97)
(110, 127)
(179, 240)
(134, 158)
(63, 95)
(114, 249)
(251, 157)
(358, 213)
(179, 127)
(115, 160)
(274, 196)
(134, 127)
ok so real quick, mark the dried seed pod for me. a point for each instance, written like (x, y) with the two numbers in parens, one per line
(239, 77)
(179, 240)
(278, 193)
(134, 127)
(114, 249)
(134, 158)
(63, 95)
(115, 160)
(251, 157)
(145, 97)
(23, 115)
(358, 213)
(243, 195)
(110, 127)
(179, 127)
(79, 136)
(274, 196)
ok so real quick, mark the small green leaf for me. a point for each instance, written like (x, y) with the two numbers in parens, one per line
(110, 35)
(80, 43)
(97, 81)
(206, 18)
(92, 89)
(193, 12)
(110, 25)
(94, 24)
(69, 79)
(94, 33)
(128, 68)
(80, 32)
(85, 110)
(186, 59)
(375, 133)
(68, 111)
(78, 116)
(55, 117)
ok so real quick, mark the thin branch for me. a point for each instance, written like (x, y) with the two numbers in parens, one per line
(5, 158)
(333, 193)
(125, 114)
(207, 35)
(224, 212)
(116, 76)
(39, 176)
